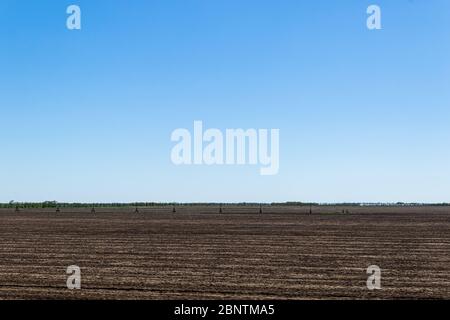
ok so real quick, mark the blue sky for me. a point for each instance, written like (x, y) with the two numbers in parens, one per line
(87, 115)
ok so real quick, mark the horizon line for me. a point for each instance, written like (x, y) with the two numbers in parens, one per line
(287, 203)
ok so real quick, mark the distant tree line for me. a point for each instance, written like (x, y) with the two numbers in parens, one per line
(361, 204)
(55, 204)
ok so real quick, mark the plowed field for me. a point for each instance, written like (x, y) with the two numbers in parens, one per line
(197, 253)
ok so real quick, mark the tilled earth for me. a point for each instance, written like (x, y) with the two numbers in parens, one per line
(198, 253)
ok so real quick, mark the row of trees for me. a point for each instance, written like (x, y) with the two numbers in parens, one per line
(55, 204)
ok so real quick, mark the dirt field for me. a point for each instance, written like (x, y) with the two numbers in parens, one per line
(197, 253)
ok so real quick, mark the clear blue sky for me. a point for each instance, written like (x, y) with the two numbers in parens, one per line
(87, 115)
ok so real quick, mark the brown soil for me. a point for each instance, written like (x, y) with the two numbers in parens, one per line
(197, 253)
